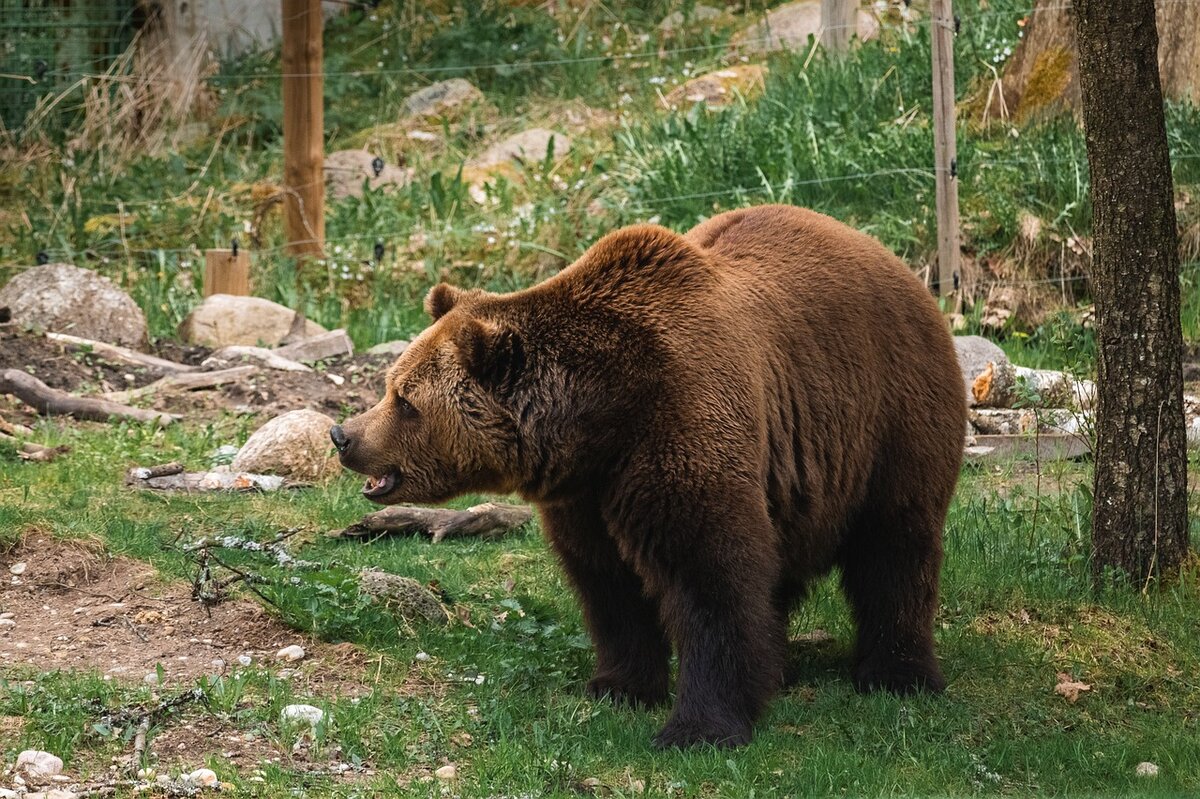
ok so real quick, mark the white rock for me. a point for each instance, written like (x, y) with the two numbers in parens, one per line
(295, 444)
(1146, 769)
(529, 146)
(35, 764)
(389, 348)
(151, 678)
(223, 320)
(66, 299)
(422, 656)
(245, 660)
(146, 774)
(6, 623)
(17, 568)
(202, 778)
(8, 614)
(5, 793)
(57, 793)
(302, 714)
(291, 653)
(447, 772)
(789, 26)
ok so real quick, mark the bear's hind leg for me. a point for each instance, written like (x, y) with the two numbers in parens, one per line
(632, 652)
(890, 570)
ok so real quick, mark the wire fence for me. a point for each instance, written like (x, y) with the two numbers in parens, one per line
(76, 42)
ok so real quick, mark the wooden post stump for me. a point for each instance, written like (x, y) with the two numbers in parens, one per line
(226, 272)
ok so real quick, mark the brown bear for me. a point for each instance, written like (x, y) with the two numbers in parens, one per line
(707, 423)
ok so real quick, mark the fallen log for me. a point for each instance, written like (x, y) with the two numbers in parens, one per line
(184, 382)
(489, 520)
(197, 482)
(51, 401)
(113, 352)
(1003, 385)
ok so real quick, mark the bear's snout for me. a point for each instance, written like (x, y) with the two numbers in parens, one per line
(341, 441)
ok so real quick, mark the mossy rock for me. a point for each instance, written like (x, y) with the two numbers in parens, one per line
(404, 595)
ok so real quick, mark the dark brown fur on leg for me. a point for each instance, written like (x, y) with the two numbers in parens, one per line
(890, 576)
(632, 652)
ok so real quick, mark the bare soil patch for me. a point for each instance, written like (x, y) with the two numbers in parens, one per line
(76, 608)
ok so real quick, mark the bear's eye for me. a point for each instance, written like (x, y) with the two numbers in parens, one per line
(405, 407)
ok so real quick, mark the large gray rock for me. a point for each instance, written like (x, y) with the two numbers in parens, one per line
(223, 320)
(677, 19)
(409, 598)
(294, 445)
(346, 171)
(974, 354)
(789, 26)
(66, 299)
(444, 99)
(528, 146)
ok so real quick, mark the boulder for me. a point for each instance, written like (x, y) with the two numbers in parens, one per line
(63, 298)
(294, 445)
(528, 146)
(347, 170)
(789, 26)
(974, 355)
(446, 99)
(393, 348)
(719, 87)
(224, 319)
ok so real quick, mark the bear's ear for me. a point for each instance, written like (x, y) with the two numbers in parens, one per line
(441, 299)
(493, 355)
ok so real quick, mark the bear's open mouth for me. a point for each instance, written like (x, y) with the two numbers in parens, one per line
(379, 486)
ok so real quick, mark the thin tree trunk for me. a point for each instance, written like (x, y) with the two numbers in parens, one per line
(1140, 514)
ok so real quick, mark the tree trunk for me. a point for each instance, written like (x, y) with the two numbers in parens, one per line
(1042, 76)
(1139, 522)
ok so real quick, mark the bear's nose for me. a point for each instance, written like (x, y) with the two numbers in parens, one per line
(338, 435)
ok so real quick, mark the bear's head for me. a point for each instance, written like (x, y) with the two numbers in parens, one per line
(446, 424)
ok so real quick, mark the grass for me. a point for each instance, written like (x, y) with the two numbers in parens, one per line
(1016, 610)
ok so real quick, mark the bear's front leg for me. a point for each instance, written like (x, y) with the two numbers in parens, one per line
(632, 652)
(714, 569)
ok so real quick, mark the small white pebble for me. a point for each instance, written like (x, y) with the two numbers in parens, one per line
(422, 656)
(290, 653)
(17, 568)
(5, 623)
(146, 774)
(7, 615)
(245, 660)
(447, 772)
(151, 678)
(1146, 769)
(306, 714)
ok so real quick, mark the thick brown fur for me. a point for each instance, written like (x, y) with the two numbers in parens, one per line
(707, 423)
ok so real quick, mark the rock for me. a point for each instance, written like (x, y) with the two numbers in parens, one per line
(422, 656)
(346, 170)
(17, 568)
(974, 355)
(393, 348)
(290, 654)
(528, 146)
(36, 765)
(151, 678)
(202, 778)
(405, 595)
(63, 298)
(720, 87)
(245, 660)
(224, 319)
(446, 99)
(676, 19)
(1146, 769)
(6, 623)
(447, 772)
(302, 714)
(789, 26)
(295, 444)
(240, 353)
(318, 348)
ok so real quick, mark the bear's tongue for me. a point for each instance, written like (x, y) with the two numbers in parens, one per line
(378, 486)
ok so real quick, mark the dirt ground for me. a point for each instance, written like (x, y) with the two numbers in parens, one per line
(338, 385)
(75, 607)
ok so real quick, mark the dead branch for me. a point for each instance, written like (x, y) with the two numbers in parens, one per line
(30, 451)
(51, 401)
(489, 520)
(184, 382)
(112, 352)
(139, 473)
(210, 481)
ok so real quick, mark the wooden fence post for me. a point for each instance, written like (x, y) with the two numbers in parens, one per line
(839, 20)
(303, 127)
(944, 147)
(226, 272)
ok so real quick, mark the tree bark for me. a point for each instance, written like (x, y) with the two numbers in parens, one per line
(1139, 522)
